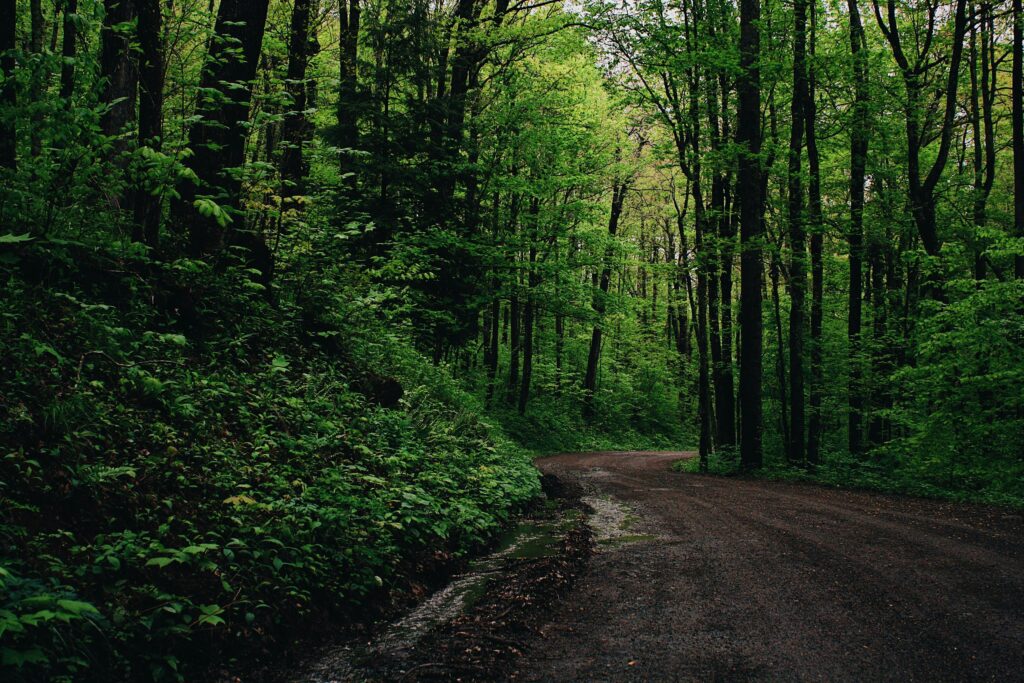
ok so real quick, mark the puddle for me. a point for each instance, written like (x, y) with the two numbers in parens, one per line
(531, 539)
(612, 522)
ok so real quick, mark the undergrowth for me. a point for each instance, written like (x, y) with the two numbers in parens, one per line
(842, 471)
(187, 470)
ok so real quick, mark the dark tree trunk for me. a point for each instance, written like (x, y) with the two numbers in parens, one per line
(218, 137)
(491, 352)
(528, 316)
(983, 128)
(797, 237)
(118, 68)
(38, 26)
(921, 190)
(1017, 95)
(878, 315)
(780, 355)
(151, 104)
(748, 137)
(296, 126)
(69, 52)
(858, 165)
(816, 228)
(603, 282)
(514, 346)
(8, 93)
(348, 105)
(36, 46)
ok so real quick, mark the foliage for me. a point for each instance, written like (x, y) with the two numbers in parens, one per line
(172, 489)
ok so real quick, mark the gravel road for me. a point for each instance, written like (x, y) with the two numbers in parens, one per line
(736, 579)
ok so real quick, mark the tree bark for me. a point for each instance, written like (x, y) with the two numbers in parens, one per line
(748, 137)
(296, 126)
(118, 68)
(151, 104)
(348, 108)
(8, 93)
(816, 228)
(858, 166)
(797, 237)
(1017, 95)
(603, 282)
(69, 51)
(218, 137)
(528, 315)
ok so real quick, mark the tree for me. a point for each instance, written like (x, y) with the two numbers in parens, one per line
(917, 69)
(151, 103)
(295, 134)
(218, 136)
(8, 91)
(858, 163)
(748, 137)
(1017, 114)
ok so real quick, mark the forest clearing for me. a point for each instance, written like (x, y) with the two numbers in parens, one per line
(344, 340)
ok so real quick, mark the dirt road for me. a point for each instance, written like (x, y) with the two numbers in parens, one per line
(732, 579)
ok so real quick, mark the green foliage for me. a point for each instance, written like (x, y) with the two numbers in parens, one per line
(170, 491)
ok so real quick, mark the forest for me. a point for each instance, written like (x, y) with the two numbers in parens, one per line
(295, 290)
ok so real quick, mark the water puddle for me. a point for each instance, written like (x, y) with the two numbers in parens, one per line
(613, 522)
(532, 539)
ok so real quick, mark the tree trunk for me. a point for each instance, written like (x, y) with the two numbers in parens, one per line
(218, 137)
(38, 78)
(69, 52)
(8, 93)
(797, 238)
(604, 282)
(118, 68)
(780, 355)
(514, 347)
(858, 165)
(748, 137)
(814, 424)
(348, 107)
(296, 127)
(528, 316)
(1017, 95)
(151, 104)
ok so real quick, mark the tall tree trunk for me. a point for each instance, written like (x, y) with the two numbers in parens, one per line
(921, 190)
(69, 52)
(878, 316)
(514, 345)
(118, 68)
(296, 126)
(816, 228)
(38, 29)
(748, 137)
(1017, 95)
(528, 316)
(983, 88)
(491, 352)
(858, 166)
(8, 93)
(603, 282)
(348, 106)
(780, 355)
(151, 104)
(218, 137)
(797, 237)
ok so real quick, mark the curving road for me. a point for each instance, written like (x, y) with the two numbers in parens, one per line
(756, 580)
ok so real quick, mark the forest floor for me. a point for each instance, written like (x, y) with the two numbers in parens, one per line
(666, 576)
